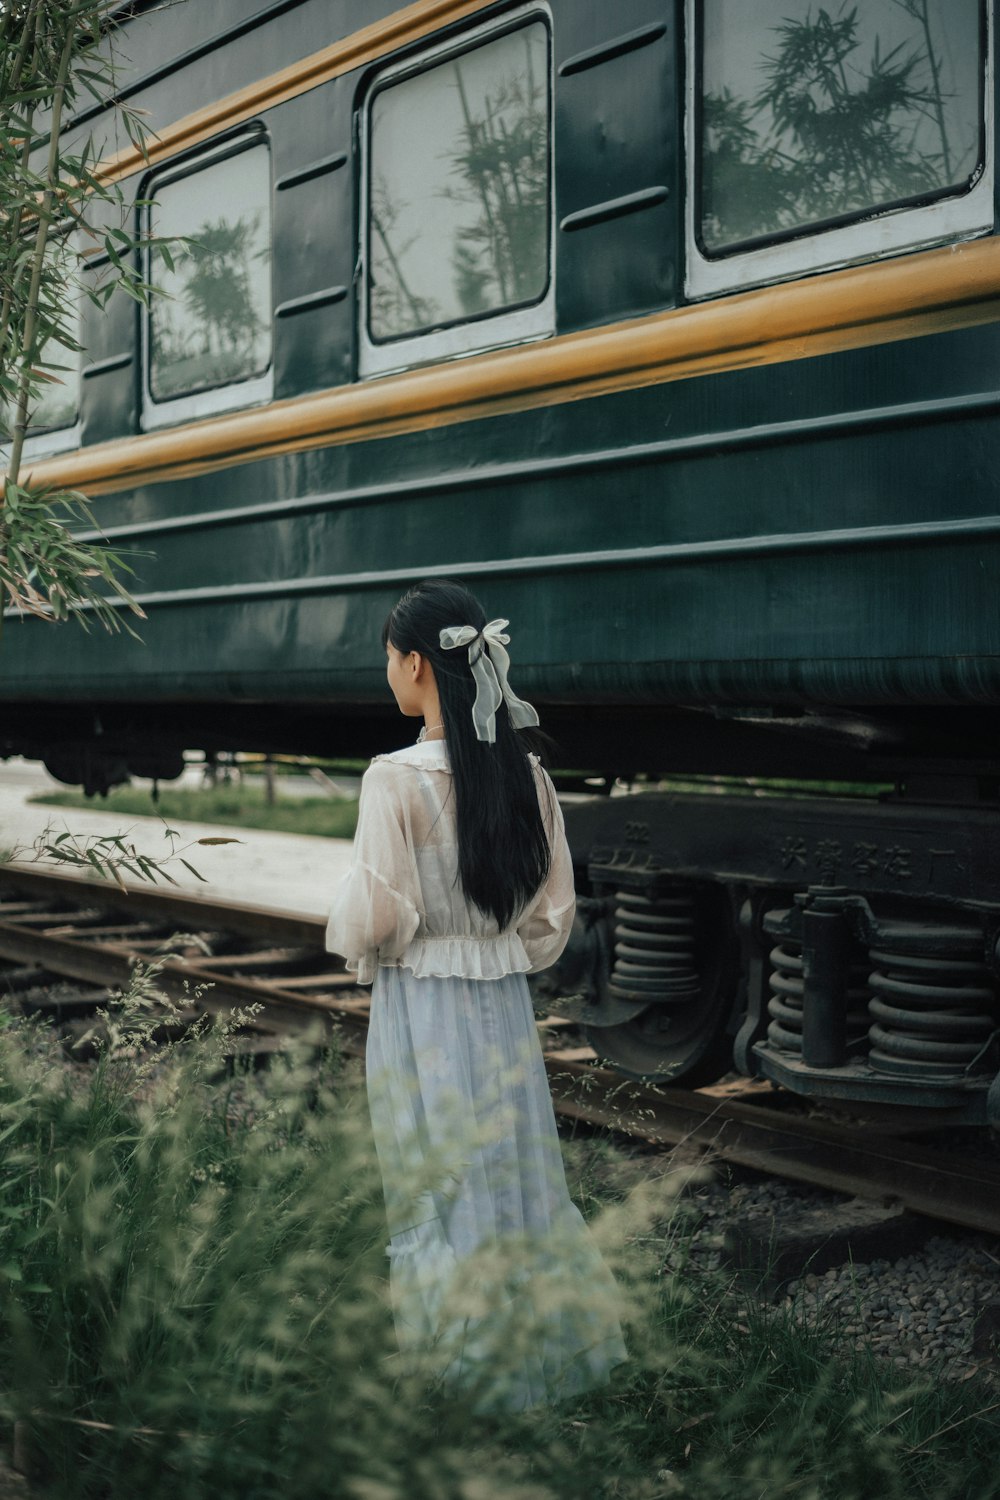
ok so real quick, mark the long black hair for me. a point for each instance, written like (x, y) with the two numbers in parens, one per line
(503, 852)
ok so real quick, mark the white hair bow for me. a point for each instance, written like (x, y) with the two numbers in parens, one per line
(490, 673)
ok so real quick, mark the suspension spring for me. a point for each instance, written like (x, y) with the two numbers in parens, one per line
(654, 947)
(932, 1014)
(785, 1005)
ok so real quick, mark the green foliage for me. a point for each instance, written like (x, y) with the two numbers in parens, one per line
(49, 571)
(59, 212)
(192, 1302)
(107, 854)
(184, 1275)
(240, 806)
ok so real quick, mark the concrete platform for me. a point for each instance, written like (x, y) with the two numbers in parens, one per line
(281, 871)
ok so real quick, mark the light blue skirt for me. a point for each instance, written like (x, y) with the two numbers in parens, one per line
(494, 1275)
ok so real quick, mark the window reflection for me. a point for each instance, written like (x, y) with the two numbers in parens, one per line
(459, 187)
(212, 324)
(813, 112)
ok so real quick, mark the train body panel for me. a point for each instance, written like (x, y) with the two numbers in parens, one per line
(802, 554)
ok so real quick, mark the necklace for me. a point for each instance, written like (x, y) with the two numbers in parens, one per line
(426, 731)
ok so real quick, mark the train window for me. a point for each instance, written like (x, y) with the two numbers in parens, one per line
(207, 344)
(457, 198)
(821, 135)
(53, 418)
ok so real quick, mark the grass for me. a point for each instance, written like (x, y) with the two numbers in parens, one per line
(192, 1302)
(241, 806)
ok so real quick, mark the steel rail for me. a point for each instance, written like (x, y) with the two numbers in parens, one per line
(926, 1181)
(106, 963)
(934, 1183)
(163, 902)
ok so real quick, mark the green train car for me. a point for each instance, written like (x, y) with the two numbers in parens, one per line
(670, 326)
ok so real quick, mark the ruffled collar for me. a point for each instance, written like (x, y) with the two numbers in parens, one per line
(432, 755)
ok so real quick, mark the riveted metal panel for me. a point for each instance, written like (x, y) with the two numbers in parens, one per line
(617, 166)
(314, 239)
(110, 337)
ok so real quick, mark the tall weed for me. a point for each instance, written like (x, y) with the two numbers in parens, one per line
(193, 1303)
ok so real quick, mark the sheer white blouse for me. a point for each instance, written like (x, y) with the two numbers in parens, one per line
(401, 902)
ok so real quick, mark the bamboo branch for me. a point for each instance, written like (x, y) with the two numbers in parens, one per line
(31, 26)
(45, 217)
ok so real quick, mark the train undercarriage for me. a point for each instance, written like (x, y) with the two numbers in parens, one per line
(845, 948)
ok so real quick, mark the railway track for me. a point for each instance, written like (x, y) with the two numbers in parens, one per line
(238, 955)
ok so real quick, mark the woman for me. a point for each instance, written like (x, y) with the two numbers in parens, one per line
(460, 885)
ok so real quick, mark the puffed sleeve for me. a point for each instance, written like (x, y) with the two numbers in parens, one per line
(545, 925)
(375, 912)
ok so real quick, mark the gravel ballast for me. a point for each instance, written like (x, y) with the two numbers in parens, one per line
(938, 1304)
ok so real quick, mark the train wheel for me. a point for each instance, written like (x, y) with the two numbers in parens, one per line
(686, 943)
(666, 1046)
